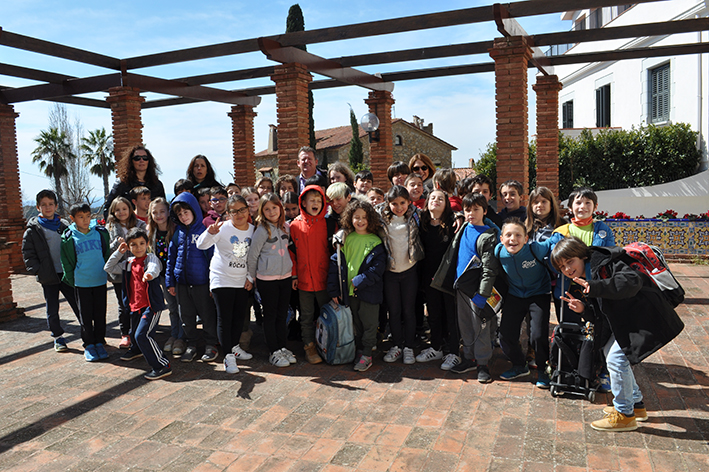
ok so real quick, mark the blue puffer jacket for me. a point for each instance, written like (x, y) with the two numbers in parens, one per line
(187, 265)
(527, 275)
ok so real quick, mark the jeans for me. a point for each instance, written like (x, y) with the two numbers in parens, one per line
(477, 336)
(442, 319)
(176, 330)
(146, 321)
(513, 314)
(625, 390)
(92, 312)
(232, 305)
(51, 296)
(400, 290)
(195, 299)
(275, 297)
(309, 304)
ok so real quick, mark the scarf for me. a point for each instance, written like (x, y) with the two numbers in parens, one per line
(51, 225)
(581, 223)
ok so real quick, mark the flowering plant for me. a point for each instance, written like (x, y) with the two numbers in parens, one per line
(667, 215)
(621, 216)
(600, 215)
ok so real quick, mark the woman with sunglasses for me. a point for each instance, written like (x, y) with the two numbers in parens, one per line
(137, 168)
(422, 164)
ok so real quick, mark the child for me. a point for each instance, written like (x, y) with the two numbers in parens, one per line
(437, 231)
(264, 185)
(312, 260)
(469, 270)
(252, 197)
(339, 195)
(203, 197)
(140, 273)
(183, 185)
(362, 261)
(85, 248)
(287, 183)
(272, 270)
(376, 196)
(397, 172)
(160, 231)
(543, 215)
(41, 251)
(584, 203)
(414, 185)
(121, 219)
(483, 185)
(363, 182)
(217, 200)
(640, 318)
(233, 189)
(400, 220)
(227, 277)
(140, 197)
(511, 193)
(187, 278)
(445, 180)
(290, 204)
(529, 289)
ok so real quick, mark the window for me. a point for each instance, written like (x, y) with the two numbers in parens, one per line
(567, 114)
(398, 140)
(659, 94)
(596, 19)
(603, 106)
(622, 8)
(580, 24)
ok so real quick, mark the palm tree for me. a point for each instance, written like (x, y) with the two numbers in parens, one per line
(97, 150)
(52, 152)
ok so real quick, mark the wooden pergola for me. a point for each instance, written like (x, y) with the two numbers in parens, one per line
(512, 53)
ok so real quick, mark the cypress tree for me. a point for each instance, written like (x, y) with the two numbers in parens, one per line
(356, 155)
(296, 22)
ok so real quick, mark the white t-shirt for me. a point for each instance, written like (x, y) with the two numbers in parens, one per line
(228, 266)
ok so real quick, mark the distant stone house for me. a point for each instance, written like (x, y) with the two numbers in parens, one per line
(333, 144)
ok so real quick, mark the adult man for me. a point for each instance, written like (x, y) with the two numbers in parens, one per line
(307, 165)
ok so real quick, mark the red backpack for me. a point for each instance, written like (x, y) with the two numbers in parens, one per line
(650, 261)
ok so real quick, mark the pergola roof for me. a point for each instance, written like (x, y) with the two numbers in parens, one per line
(281, 48)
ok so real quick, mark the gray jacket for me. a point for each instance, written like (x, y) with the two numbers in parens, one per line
(116, 231)
(269, 258)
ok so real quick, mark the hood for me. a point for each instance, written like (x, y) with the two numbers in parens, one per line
(77, 233)
(602, 255)
(188, 198)
(301, 201)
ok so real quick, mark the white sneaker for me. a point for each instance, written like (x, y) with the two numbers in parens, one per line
(278, 359)
(289, 356)
(241, 354)
(450, 361)
(393, 355)
(409, 356)
(429, 354)
(230, 364)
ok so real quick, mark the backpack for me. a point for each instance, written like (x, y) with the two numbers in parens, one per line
(650, 261)
(334, 334)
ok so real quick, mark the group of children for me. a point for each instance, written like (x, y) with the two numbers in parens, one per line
(208, 258)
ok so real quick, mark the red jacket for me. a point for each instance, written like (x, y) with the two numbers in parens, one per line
(309, 235)
(456, 203)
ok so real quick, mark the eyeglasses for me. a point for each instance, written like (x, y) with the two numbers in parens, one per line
(418, 168)
(240, 211)
(218, 200)
(141, 158)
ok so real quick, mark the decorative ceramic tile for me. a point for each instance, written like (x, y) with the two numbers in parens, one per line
(672, 236)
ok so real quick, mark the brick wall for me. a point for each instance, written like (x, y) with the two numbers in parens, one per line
(242, 122)
(12, 222)
(381, 153)
(8, 308)
(125, 105)
(547, 90)
(292, 81)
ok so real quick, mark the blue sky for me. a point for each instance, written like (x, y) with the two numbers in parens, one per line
(461, 108)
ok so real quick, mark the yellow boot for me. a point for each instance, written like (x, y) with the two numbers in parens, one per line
(311, 353)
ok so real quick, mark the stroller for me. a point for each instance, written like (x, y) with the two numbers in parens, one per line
(572, 359)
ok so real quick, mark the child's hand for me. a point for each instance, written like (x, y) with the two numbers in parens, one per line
(214, 227)
(575, 304)
(458, 223)
(148, 277)
(171, 290)
(248, 286)
(123, 247)
(583, 283)
(335, 301)
(295, 284)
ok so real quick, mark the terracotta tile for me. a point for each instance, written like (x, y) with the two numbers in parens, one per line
(379, 458)
(473, 461)
(408, 460)
(222, 459)
(450, 441)
(432, 418)
(636, 460)
(247, 463)
(602, 457)
(324, 449)
(393, 435)
(366, 432)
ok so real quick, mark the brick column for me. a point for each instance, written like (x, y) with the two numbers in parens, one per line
(125, 114)
(12, 222)
(8, 308)
(242, 135)
(381, 154)
(292, 81)
(547, 89)
(511, 56)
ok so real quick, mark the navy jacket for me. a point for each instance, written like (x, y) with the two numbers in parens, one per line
(368, 281)
(187, 265)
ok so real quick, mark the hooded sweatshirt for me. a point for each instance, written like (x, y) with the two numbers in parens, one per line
(311, 255)
(83, 256)
(186, 264)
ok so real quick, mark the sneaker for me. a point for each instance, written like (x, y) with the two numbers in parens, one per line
(429, 354)
(409, 356)
(450, 361)
(615, 421)
(639, 411)
(543, 380)
(101, 351)
(311, 354)
(189, 354)
(365, 362)
(515, 372)
(241, 354)
(604, 383)
(131, 354)
(178, 348)
(484, 376)
(169, 344)
(393, 355)
(90, 353)
(465, 366)
(60, 345)
(230, 364)
(125, 342)
(278, 359)
(210, 354)
(158, 374)
(289, 356)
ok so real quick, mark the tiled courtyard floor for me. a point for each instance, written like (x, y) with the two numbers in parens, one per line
(60, 413)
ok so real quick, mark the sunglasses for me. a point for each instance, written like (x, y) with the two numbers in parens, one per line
(141, 158)
(240, 211)
(418, 168)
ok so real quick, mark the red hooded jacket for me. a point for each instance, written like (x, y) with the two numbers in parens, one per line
(309, 235)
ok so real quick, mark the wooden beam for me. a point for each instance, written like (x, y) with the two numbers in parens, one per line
(67, 88)
(181, 89)
(40, 46)
(33, 74)
(228, 76)
(622, 54)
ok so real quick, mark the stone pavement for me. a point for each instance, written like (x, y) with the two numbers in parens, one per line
(59, 412)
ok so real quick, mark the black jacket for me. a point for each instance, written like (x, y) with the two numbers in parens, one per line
(35, 252)
(368, 282)
(121, 189)
(639, 316)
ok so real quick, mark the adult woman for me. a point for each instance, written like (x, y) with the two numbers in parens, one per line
(137, 168)
(201, 173)
(340, 172)
(422, 164)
